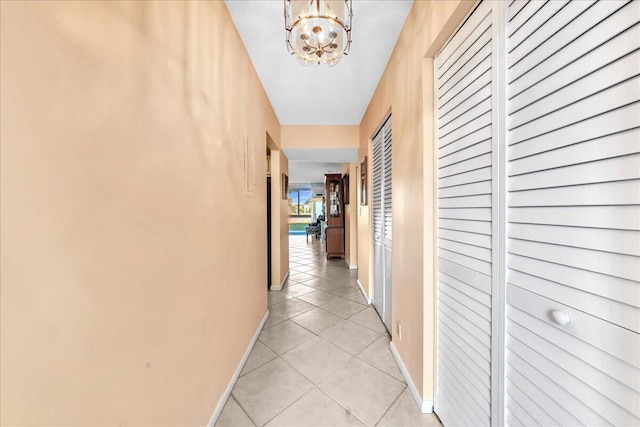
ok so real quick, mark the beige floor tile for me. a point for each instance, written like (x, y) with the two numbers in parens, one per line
(317, 297)
(341, 290)
(356, 296)
(337, 275)
(233, 415)
(310, 260)
(342, 307)
(285, 336)
(369, 319)
(297, 290)
(301, 277)
(317, 320)
(379, 355)
(274, 319)
(292, 307)
(315, 409)
(269, 389)
(363, 390)
(316, 359)
(276, 297)
(319, 283)
(404, 413)
(350, 336)
(260, 355)
(337, 264)
(324, 287)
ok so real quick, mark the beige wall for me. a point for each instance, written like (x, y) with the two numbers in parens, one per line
(339, 136)
(364, 221)
(133, 262)
(279, 221)
(351, 217)
(402, 90)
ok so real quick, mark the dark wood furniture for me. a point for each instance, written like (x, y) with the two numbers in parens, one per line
(334, 213)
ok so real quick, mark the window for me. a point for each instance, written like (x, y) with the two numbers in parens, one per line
(300, 202)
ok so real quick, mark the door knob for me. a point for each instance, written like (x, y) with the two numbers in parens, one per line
(560, 317)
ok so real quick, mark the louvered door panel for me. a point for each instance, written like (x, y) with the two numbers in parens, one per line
(464, 109)
(378, 222)
(387, 148)
(388, 189)
(573, 231)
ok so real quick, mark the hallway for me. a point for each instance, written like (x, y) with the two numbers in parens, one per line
(323, 357)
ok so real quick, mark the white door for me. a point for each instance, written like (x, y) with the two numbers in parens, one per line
(382, 224)
(465, 224)
(573, 163)
(538, 121)
(387, 220)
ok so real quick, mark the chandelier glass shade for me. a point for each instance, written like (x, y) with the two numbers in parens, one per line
(318, 31)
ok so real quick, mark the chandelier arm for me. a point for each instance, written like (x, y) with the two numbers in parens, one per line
(324, 47)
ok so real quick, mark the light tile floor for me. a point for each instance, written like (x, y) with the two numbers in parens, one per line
(323, 357)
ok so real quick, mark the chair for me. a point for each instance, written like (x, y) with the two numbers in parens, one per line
(313, 229)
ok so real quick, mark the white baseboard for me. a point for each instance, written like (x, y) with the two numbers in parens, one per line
(351, 266)
(364, 294)
(236, 374)
(425, 406)
(281, 285)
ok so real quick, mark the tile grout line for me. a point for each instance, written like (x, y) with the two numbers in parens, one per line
(292, 403)
(391, 406)
(386, 373)
(340, 404)
(244, 410)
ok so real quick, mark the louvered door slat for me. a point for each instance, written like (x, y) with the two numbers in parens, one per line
(607, 29)
(615, 145)
(614, 288)
(527, 12)
(606, 53)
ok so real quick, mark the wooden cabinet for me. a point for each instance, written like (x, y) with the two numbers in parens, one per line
(334, 213)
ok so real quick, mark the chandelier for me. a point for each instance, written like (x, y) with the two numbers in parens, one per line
(318, 31)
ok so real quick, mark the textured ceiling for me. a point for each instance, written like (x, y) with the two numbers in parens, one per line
(319, 95)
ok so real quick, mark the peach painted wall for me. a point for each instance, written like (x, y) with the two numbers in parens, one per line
(339, 136)
(401, 90)
(350, 217)
(133, 263)
(279, 221)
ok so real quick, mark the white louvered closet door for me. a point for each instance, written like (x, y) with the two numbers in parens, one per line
(376, 209)
(573, 278)
(382, 221)
(387, 214)
(464, 106)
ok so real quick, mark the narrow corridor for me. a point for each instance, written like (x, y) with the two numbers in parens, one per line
(323, 357)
